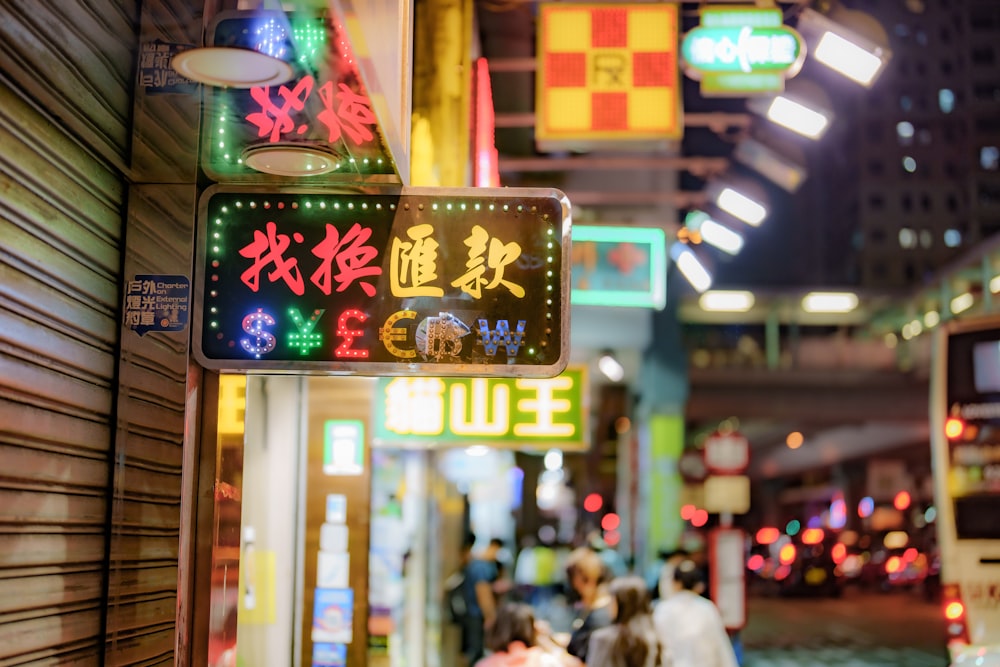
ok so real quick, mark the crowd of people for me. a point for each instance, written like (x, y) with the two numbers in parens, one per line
(615, 622)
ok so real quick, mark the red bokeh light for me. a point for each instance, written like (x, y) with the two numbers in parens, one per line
(901, 501)
(700, 518)
(593, 502)
(755, 562)
(768, 535)
(612, 538)
(687, 511)
(838, 553)
(611, 521)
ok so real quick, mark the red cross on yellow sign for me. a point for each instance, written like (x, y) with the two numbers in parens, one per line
(606, 73)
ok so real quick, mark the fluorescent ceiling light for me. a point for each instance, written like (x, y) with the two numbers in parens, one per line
(829, 302)
(844, 56)
(726, 301)
(797, 117)
(611, 367)
(289, 159)
(741, 206)
(962, 302)
(721, 237)
(231, 67)
(692, 269)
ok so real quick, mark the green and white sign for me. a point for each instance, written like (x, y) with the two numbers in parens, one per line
(740, 51)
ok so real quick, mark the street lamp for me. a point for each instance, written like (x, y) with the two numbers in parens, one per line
(690, 267)
(804, 108)
(847, 41)
(741, 206)
(714, 233)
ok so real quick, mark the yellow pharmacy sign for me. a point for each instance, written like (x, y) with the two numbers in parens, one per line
(607, 74)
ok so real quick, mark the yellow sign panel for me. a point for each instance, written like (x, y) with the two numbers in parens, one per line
(607, 73)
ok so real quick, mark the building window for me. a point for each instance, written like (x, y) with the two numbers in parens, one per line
(925, 203)
(926, 238)
(986, 92)
(875, 167)
(904, 132)
(989, 158)
(952, 238)
(906, 103)
(907, 203)
(946, 100)
(877, 236)
(909, 164)
(952, 203)
(907, 238)
(876, 203)
(983, 55)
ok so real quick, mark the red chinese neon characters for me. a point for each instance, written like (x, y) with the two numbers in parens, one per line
(268, 249)
(352, 258)
(351, 116)
(344, 112)
(350, 254)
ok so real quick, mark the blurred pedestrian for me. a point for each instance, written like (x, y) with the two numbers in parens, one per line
(631, 641)
(670, 561)
(514, 641)
(480, 575)
(587, 578)
(689, 626)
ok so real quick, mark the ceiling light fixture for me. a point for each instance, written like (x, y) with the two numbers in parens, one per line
(726, 301)
(829, 302)
(231, 67)
(291, 159)
(611, 367)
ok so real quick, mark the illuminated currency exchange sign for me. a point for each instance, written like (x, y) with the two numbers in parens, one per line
(742, 51)
(466, 281)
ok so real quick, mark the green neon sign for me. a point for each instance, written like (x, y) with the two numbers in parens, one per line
(621, 266)
(518, 413)
(738, 51)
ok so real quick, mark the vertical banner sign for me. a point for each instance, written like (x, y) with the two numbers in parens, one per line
(606, 73)
(407, 281)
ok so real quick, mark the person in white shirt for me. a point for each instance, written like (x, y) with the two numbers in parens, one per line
(689, 626)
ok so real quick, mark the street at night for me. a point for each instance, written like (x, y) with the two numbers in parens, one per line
(899, 629)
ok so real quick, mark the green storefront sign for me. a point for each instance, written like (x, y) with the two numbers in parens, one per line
(516, 413)
(742, 51)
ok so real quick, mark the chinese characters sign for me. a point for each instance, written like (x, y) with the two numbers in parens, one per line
(606, 73)
(155, 73)
(741, 50)
(619, 266)
(518, 412)
(324, 108)
(407, 281)
(157, 303)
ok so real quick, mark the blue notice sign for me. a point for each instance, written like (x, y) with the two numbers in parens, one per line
(329, 655)
(157, 303)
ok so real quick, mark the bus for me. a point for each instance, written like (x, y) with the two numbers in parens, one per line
(965, 455)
